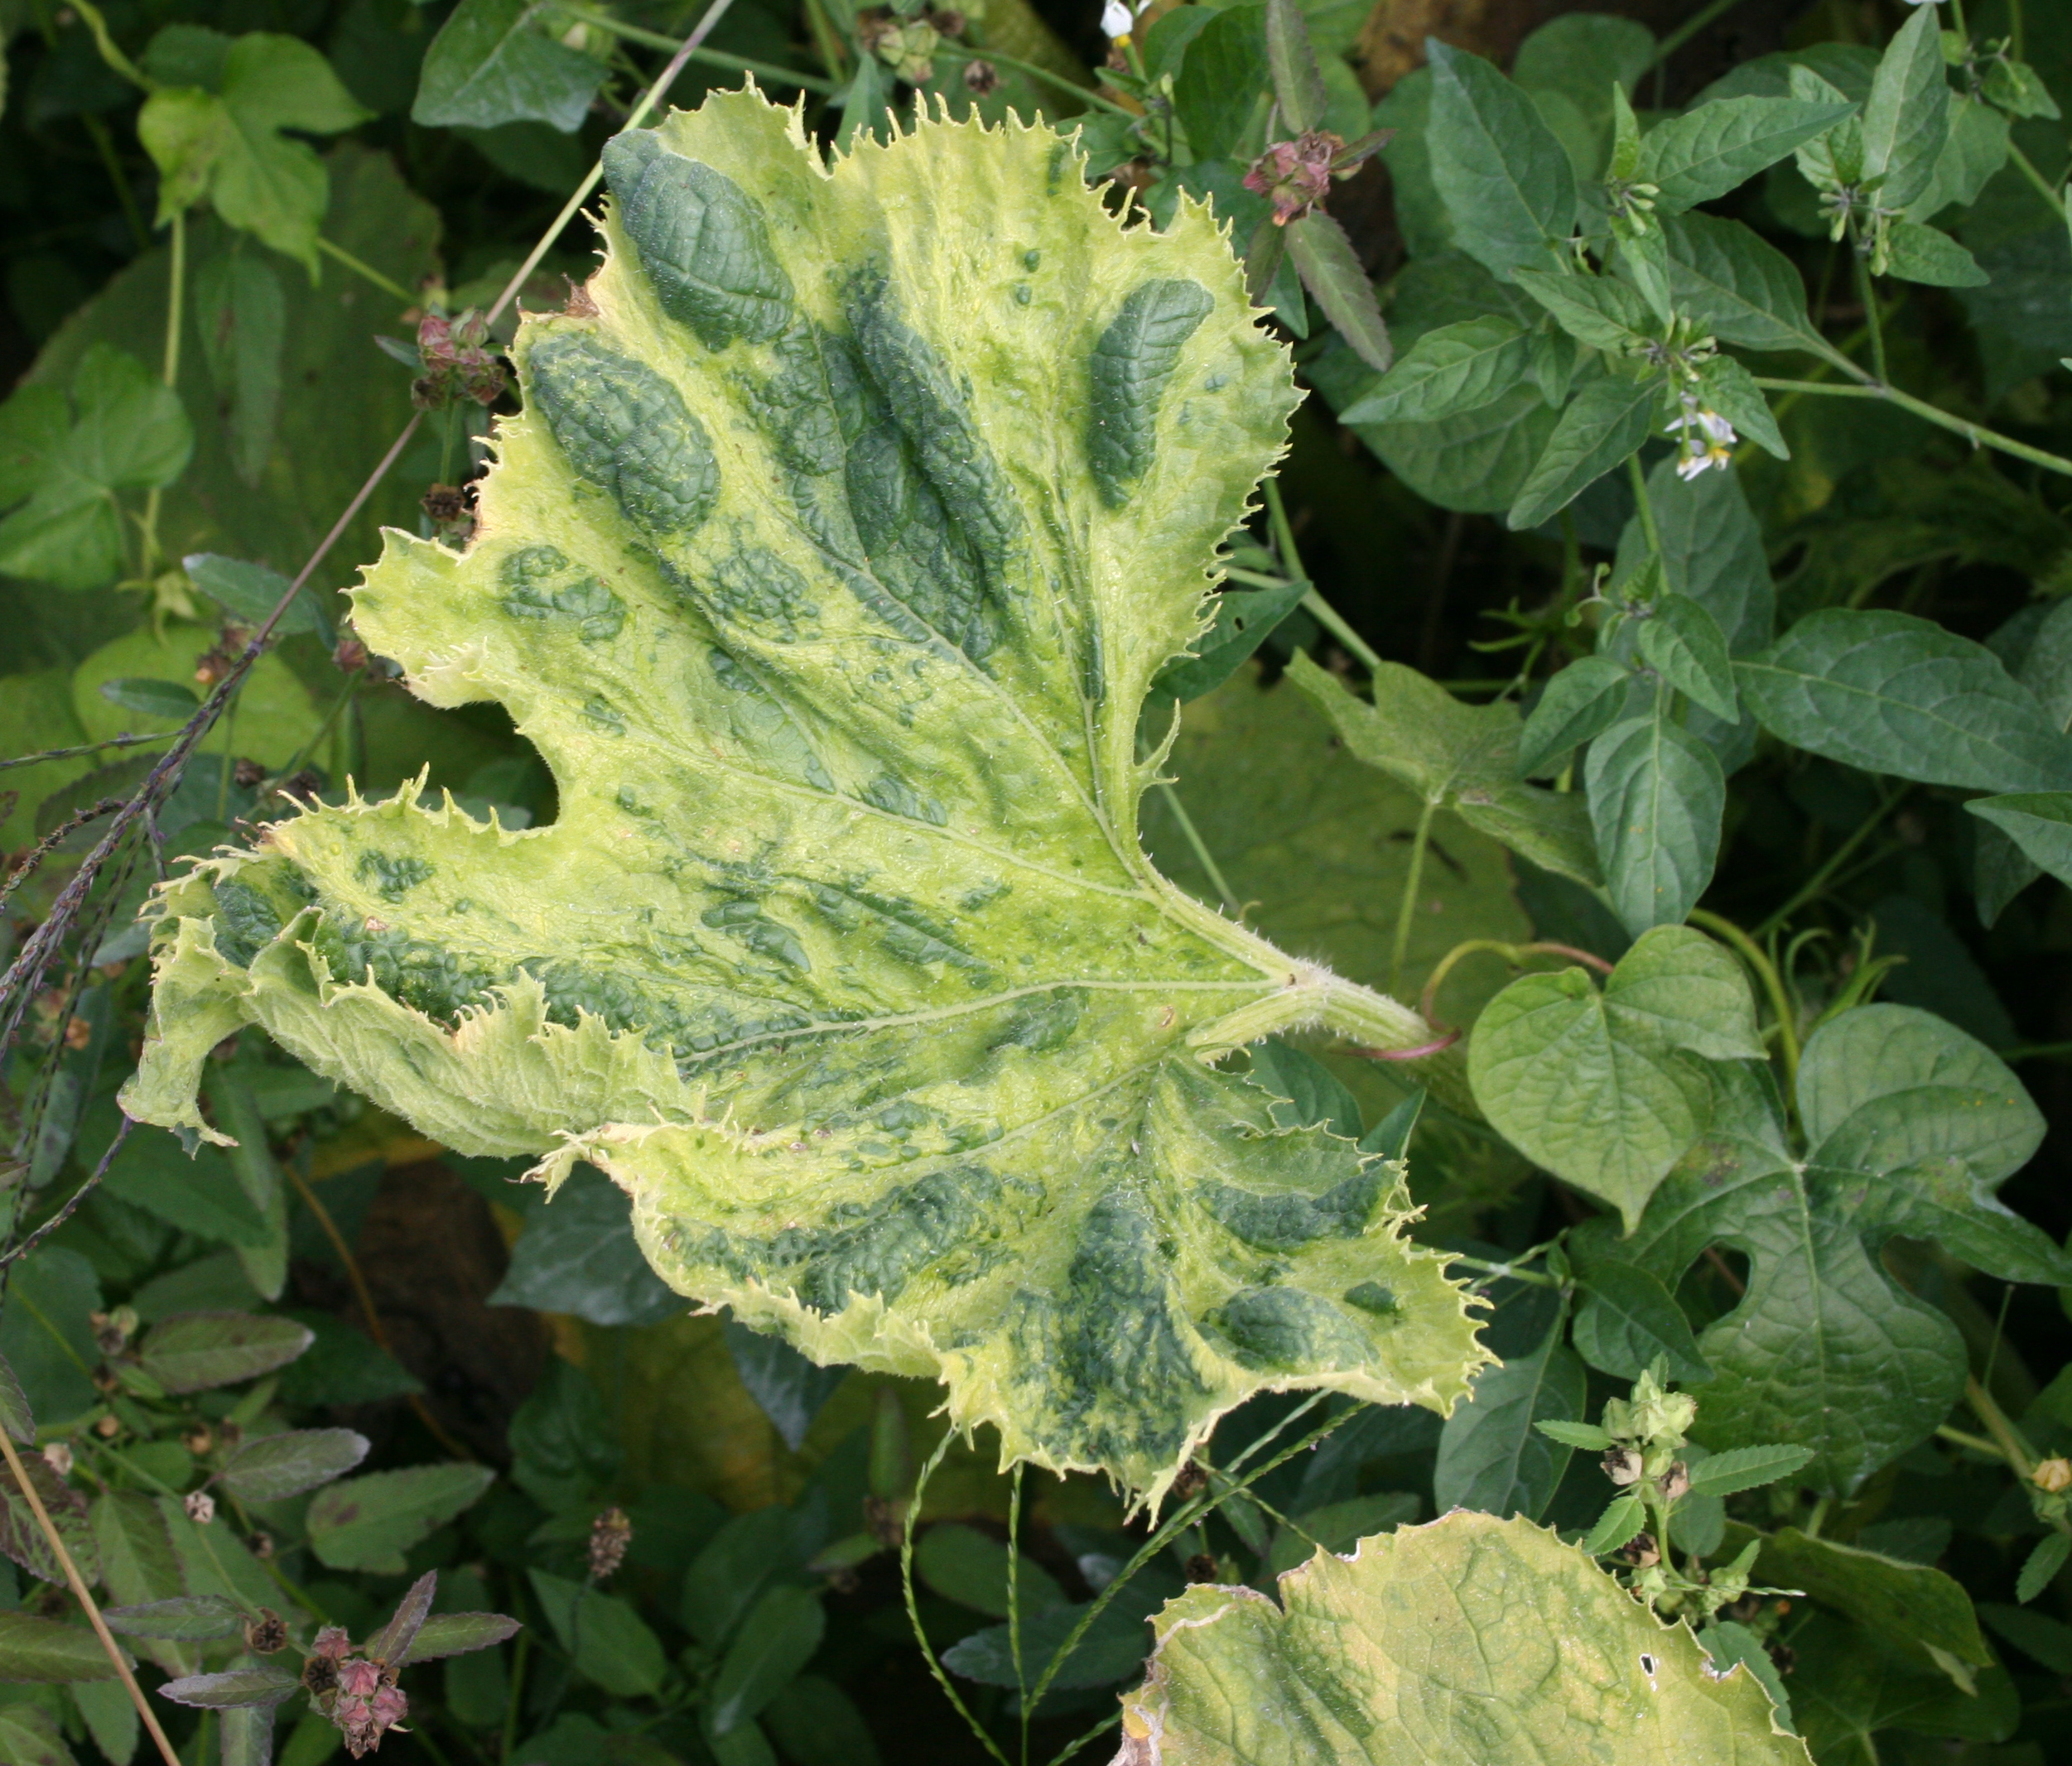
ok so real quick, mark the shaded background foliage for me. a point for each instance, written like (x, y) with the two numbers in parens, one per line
(469, 1323)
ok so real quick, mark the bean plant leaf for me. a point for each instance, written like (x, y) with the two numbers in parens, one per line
(828, 568)
(1471, 1638)
(65, 454)
(492, 64)
(1606, 1088)
(1912, 1125)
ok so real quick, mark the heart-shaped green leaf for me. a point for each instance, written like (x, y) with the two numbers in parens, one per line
(848, 521)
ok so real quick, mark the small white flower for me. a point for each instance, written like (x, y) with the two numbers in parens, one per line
(1705, 438)
(1116, 19)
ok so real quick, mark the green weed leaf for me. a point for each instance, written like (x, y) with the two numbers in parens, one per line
(1906, 118)
(1923, 254)
(1493, 1454)
(1914, 1603)
(2038, 822)
(220, 138)
(1604, 1089)
(1746, 1469)
(1683, 643)
(1628, 1319)
(1332, 273)
(194, 1351)
(829, 572)
(368, 1522)
(1736, 284)
(40, 1651)
(492, 64)
(64, 456)
(1366, 1659)
(1586, 699)
(281, 1466)
(776, 1640)
(1462, 758)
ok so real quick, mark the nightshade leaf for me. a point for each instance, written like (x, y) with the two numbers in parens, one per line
(1890, 692)
(1736, 284)
(2039, 822)
(843, 959)
(1470, 1638)
(492, 64)
(1606, 1089)
(1906, 118)
(1711, 148)
(1657, 798)
(1604, 423)
(1913, 1125)
(1584, 701)
(1450, 369)
(1683, 643)
(1505, 179)
(1492, 1454)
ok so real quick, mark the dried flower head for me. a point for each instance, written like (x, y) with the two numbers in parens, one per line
(2053, 1475)
(609, 1535)
(1295, 175)
(981, 78)
(267, 1635)
(457, 364)
(200, 1507)
(58, 1456)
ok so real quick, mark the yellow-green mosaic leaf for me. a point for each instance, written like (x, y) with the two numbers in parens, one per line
(1469, 1639)
(852, 510)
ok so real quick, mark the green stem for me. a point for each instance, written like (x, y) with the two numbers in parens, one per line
(1406, 908)
(105, 144)
(1818, 881)
(913, 1606)
(1688, 29)
(1015, 1599)
(1209, 869)
(1978, 437)
(106, 45)
(1503, 1271)
(2027, 167)
(337, 254)
(1645, 504)
(1816, 1520)
(1314, 604)
(2015, 31)
(1758, 959)
(1186, 1516)
(710, 57)
(1976, 1443)
(513, 1702)
(1044, 74)
(176, 300)
(1867, 293)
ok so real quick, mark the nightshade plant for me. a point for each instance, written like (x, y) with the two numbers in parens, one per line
(1267, 1204)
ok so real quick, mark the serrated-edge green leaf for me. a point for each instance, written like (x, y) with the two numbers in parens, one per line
(1622, 1521)
(835, 626)
(16, 1416)
(1586, 1435)
(1746, 1469)
(2041, 1568)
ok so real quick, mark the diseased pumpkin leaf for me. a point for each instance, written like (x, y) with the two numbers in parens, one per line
(1471, 1638)
(1911, 1125)
(828, 568)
